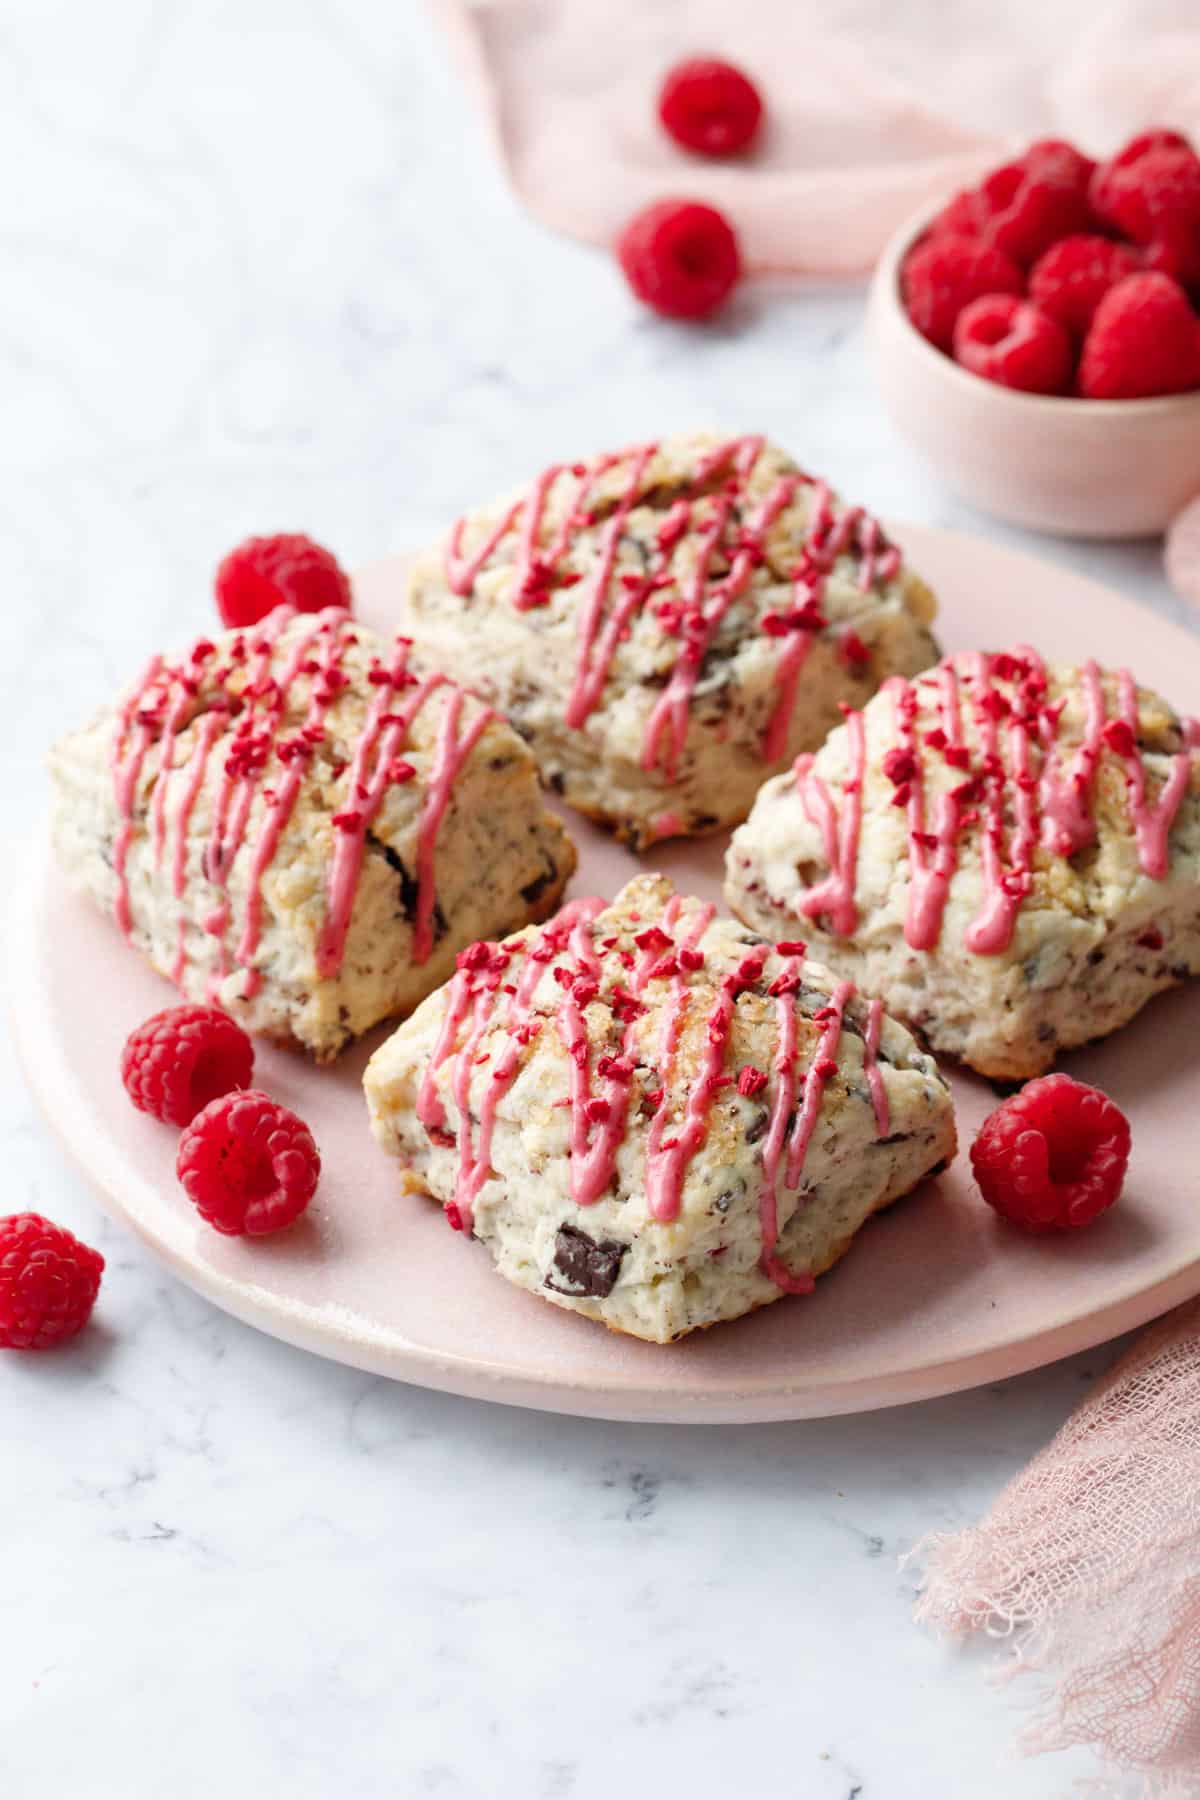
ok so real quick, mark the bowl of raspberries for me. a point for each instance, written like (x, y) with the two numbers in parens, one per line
(1038, 336)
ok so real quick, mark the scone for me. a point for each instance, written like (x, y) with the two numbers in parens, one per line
(304, 823)
(1008, 853)
(649, 1115)
(669, 625)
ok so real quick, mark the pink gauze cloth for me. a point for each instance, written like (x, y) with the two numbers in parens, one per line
(1089, 1565)
(873, 107)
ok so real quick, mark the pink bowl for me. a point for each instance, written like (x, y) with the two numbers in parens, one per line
(1082, 468)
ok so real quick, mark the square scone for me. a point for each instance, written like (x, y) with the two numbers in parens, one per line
(668, 625)
(303, 823)
(1008, 852)
(649, 1115)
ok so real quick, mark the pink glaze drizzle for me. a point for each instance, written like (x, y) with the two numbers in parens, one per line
(839, 827)
(483, 996)
(695, 617)
(246, 721)
(1016, 804)
(128, 753)
(1152, 824)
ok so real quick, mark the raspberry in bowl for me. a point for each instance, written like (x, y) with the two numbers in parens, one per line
(1037, 337)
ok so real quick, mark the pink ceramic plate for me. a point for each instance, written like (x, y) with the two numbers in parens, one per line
(936, 1295)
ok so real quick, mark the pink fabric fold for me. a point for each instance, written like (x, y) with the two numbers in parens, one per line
(873, 108)
(1088, 1566)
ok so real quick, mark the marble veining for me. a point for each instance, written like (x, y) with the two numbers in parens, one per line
(261, 274)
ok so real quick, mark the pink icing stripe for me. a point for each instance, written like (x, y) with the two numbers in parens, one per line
(822, 1066)
(461, 572)
(782, 1103)
(452, 752)
(675, 701)
(126, 762)
(840, 829)
(591, 672)
(1152, 824)
(1068, 823)
(372, 773)
(879, 1099)
(663, 1188)
(792, 659)
(211, 727)
(931, 864)
(1007, 878)
(282, 803)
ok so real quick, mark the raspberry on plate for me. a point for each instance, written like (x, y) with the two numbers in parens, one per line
(1144, 339)
(680, 257)
(710, 107)
(264, 572)
(941, 275)
(178, 1060)
(48, 1282)
(1072, 277)
(1015, 343)
(1053, 1157)
(248, 1165)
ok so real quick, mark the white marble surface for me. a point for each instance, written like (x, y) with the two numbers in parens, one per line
(260, 273)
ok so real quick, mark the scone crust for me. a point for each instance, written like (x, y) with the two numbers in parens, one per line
(1093, 938)
(498, 860)
(618, 1256)
(522, 647)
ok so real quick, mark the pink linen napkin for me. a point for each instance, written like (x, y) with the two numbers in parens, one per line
(1089, 1566)
(873, 107)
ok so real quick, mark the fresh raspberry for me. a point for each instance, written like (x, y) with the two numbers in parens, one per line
(1015, 343)
(179, 1060)
(963, 216)
(1068, 164)
(48, 1282)
(944, 274)
(264, 572)
(248, 1165)
(710, 107)
(1033, 202)
(1157, 203)
(1107, 183)
(1074, 275)
(1054, 1156)
(1144, 339)
(680, 257)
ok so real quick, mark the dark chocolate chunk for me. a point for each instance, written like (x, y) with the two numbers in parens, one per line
(533, 890)
(757, 1125)
(587, 1266)
(409, 886)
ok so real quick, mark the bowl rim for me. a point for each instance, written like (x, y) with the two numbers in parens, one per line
(1072, 406)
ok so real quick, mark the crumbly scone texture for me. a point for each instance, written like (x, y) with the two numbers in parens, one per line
(500, 858)
(1093, 940)
(524, 658)
(613, 1259)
